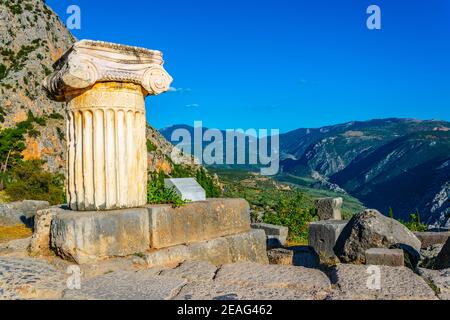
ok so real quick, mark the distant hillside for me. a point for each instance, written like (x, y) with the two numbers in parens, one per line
(398, 163)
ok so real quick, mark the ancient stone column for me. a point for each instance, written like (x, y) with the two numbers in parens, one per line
(104, 85)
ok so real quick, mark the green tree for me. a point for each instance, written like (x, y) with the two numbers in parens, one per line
(28, 180)
(391, 213)
(290, 212)
(207, 183)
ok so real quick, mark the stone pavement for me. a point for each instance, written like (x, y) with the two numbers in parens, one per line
(130, 278)
(26, 278)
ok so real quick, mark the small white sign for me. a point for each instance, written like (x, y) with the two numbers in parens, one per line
(187, 188)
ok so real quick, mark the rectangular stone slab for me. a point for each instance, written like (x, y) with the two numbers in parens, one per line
(246, 246)
(385, 257)
(430, 238)
(187, 188)
(276, 235)
(92, 235)
(198, 221)
(323, 236)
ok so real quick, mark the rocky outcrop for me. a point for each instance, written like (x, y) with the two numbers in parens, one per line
(20, 212)
(439, 280)
(370, 229)
(443, 259)
(32, 38)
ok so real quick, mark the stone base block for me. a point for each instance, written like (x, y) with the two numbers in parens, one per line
(276, 235)
(329, 208)
(431, 238)
(198, 221)
(40, 241)
(85, 237)
(248, 246)
(385, 257)
(88, 236)
(281, 256)
(323, 236)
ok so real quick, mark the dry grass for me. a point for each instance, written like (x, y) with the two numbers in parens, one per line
(14, 232)
(3, 197)
(301, 242)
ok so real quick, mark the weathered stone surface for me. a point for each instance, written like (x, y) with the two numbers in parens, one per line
(88, 236)
(192, 271)
(322, 236)
(302, 256)
(385, 257)
(353, 282)
(14, 213)
(440, 280)
(305, 256)
(431, 238)
(127, 285)
(24, 278)
(218, 290)
(171, 256)
(442, 261)
(276, 235)
(429, 254)
(187, 188)
(105, 85)
(15, 247)
(248, 246)
(281, 256)
(198, 221)
(313, 281)
(370, 229)
(88, 62)
(40, 241)
(329, 208)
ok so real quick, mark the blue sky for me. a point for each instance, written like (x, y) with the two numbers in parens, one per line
(284, 64)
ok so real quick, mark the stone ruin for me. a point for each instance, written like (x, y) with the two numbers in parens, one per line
(104, 85)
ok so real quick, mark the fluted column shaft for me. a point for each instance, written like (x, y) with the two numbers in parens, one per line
(107, 156)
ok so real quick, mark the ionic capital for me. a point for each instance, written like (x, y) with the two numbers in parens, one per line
(88, 62)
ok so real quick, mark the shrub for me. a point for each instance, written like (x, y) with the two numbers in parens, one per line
(2, 115)
(150, 146)
(207, 183)
(414, 224)
(3, 71)
(30, 181)
(56, 115)
(157, 193)
(289, 212)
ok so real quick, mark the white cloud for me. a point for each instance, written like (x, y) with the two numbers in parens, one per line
(180, 90)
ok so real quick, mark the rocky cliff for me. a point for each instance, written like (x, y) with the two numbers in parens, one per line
(32, 38)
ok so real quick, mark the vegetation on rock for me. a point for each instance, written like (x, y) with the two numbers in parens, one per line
(157, 193)
(29, 181)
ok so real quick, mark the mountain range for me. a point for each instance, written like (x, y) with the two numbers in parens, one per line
(402, 164)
